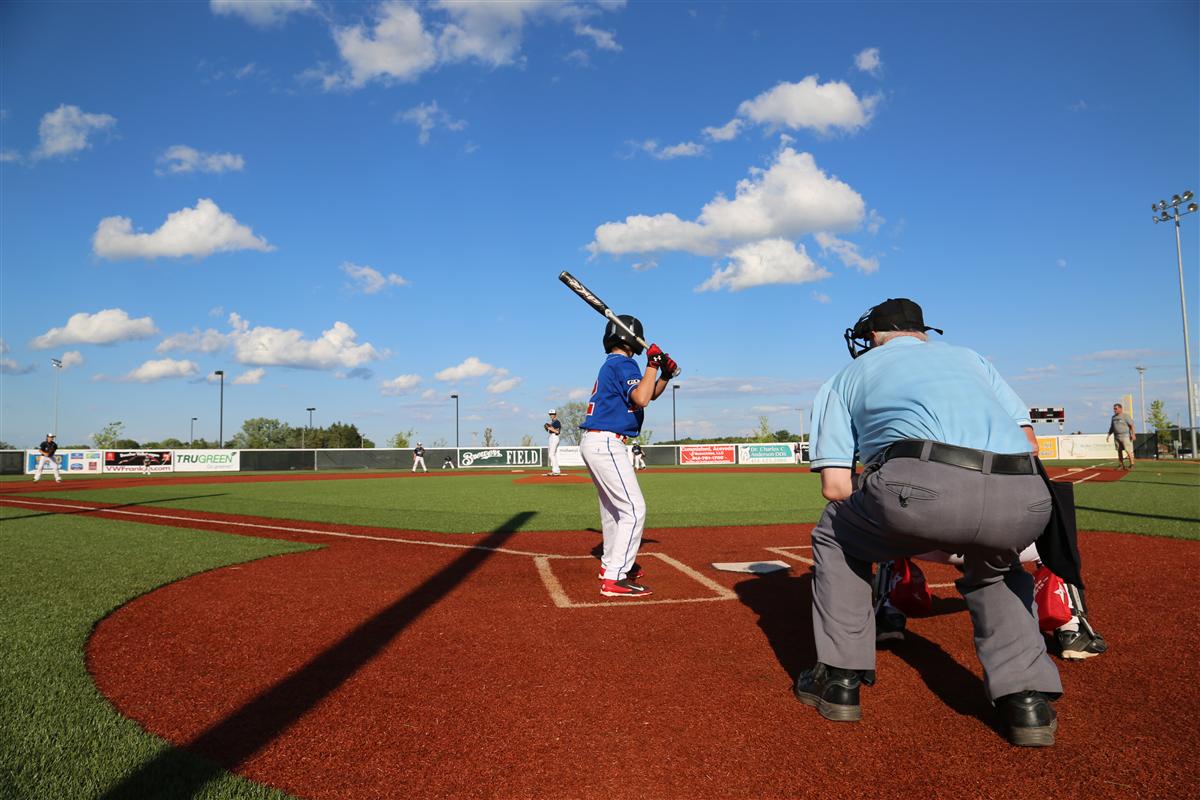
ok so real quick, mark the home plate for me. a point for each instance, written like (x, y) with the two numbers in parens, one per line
(752, 567)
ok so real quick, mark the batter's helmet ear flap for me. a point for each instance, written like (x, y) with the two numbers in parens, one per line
(615, 335)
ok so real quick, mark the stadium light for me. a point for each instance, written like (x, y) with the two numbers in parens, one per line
(192, 432)
(58, 366)
(674, 433)
(1187, 349)
(1141, 371)
(455, 397)
(221, 412)
(302, 432)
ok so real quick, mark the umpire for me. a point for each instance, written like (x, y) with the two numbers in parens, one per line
(947, 446)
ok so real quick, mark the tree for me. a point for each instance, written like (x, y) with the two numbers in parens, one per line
(784, 435)
(645, 436)
(1158, 419)
(263, 432)
(126, 444)
(571, 416)
(489, 440)
(526, 441)
(401, 440)
(340, 434)
(108, 435)
(763, 432)
(439, 443)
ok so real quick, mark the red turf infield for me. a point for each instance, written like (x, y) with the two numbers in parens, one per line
(382, 669)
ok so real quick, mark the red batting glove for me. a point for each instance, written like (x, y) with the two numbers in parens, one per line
(669, 368)
(655, 355)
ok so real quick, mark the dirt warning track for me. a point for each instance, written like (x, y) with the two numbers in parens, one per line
(410, 664)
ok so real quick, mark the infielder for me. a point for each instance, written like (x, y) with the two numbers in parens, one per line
(615, 411)
(46, 451)
(639, 458)
(419, 458)
(1121, 428)
(949, 449)
(554, 433)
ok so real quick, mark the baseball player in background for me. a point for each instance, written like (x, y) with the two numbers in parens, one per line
(1121, 427)
(554, 433)
(615, 412)
(46, 451)
(639, 458)
(949, 452)
(419, 458)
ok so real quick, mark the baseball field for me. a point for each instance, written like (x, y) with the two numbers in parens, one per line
(384, 635)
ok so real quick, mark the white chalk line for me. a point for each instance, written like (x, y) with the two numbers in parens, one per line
(559, 595)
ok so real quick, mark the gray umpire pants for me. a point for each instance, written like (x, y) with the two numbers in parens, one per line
(908, 506)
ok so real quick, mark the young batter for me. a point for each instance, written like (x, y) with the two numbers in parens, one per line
(614, 412)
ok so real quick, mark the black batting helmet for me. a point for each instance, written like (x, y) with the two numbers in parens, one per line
(898, 314)
(615, 335)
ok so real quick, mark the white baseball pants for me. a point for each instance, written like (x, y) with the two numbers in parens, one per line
(42, 462)
(552, 446)
(622, 507)
(419, 461)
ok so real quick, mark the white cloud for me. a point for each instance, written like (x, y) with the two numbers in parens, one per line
(196, 232)
(847, 252)
(766, 262)
(808, 104)
(4, 348)
(821, 297)
(485, 31)
(180, 158)
(579, 394)
(1116, 355)
(502, 385)
(264, 346)
(250, 377)
(681, 150)
(726, 132)
(9, 156)
(869, 61)
(71, 358)
(401, 384)
(159, 369)
(1036, 374)
(875, 221)
(264, 13)
(368, 280)
(791, 198)
(472, 367)
(1078, 105)
(428, 117)
(65, 131)
(604, 40)
(1061, 263)
(9, 366)
(396, 48)
(643, 266)
(104, 327)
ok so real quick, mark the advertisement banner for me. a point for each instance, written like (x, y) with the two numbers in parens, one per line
(207, 460)
(138, 461)
(569, 456)
(1047, 447)
(72, 461)
(500, 457)
(708, 454)
(1087, 445)
(766, 454)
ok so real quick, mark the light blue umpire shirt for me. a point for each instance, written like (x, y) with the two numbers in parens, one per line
(909, 389)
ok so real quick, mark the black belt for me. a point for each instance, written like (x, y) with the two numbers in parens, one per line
(965, 457)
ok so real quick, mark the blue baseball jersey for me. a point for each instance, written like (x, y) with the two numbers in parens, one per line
(610, 408)
(555, 426)
(909, 389)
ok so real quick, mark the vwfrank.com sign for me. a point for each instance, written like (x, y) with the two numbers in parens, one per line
(501, 457)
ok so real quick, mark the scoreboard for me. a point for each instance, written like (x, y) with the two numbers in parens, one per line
(1058, 415)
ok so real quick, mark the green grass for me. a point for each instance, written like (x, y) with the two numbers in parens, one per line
(1160, 498)
(59, 575)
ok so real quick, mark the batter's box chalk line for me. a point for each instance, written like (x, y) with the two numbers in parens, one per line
(561, 599)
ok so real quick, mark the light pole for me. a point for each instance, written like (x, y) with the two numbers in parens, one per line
(455, 420)
(1142, 391)
(801, 410)
(1163, 216)
(57, 364)
(221, 411)
(302, 432)
(674, 433)
(192, 432)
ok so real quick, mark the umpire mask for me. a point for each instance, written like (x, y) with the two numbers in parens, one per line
(899, 314)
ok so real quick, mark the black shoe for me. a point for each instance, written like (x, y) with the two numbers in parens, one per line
(889, 625)
(1078, 645)
(832, 691)
(1028, 718)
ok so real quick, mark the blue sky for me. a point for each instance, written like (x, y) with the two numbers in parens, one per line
(364, 207)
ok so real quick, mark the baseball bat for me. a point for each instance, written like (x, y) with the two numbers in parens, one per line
(589, 297)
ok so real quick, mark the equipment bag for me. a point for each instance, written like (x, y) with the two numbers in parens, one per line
(1050, 593)
(909, 591)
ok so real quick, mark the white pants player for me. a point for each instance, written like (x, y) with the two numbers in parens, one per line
(552, 446)
(419, 461)
(42, 463)
(622, 507)
(639, 461)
